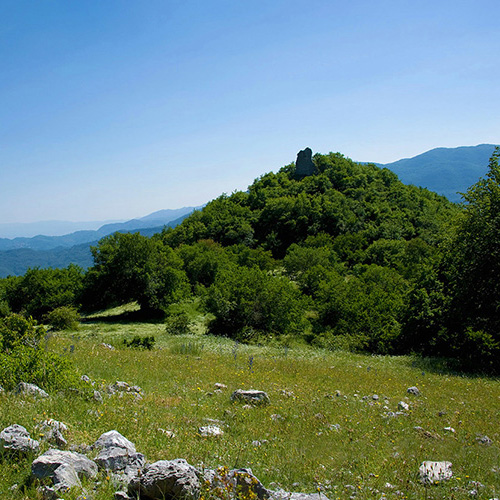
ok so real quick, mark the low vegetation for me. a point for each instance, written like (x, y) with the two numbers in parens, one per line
(325, 430)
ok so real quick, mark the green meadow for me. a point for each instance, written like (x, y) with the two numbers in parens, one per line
(328, 427)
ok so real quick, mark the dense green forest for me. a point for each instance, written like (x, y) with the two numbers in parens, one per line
(345, 258)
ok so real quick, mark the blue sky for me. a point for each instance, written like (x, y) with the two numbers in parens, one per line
(112, 109)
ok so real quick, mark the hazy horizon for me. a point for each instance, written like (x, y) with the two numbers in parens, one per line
(120, 108)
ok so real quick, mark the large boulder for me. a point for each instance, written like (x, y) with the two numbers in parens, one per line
(117, 454)
(432, 472)
(16, 439)
(250, 396)
(167, 480)
(65, 468)
(26, 389)
(119, 459)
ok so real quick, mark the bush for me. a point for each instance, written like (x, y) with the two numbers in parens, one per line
(64, 318)
(249, 302)
(23, 358)
(141, 342)
(178, 324)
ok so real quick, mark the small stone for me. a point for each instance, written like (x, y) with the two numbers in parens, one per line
(97, 396)
(108, 346)
(484, 440)
(30, 390)
(113, 439)
(167, 433)
(430, 471)
(375, 397)
(450, 429)
(413, 390)
(250, 396)
(220, 386)
(121, 386)
(403, 406)
(210, 431)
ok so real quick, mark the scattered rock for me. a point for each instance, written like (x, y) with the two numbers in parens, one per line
(113, 439)
(16, 438)
(427, 434)
(413, 390)
(403, 406)
(120, 460)
(210, 431)
(64, 468)
(118, 454)
(250, 396)
(167, 479)
(30, 390)
(220, 386)
(276, 417)
(167, 433)
(108, 346)
(50, 423)
(241, 482)
(450, 429)
(98, 396)
(375, 397)
(484, 440)
(121, 386)
(86, 378)
(121, 495)
(431, 472)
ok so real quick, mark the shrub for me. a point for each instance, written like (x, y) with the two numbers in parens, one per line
(64, 318)
(178, 324)
(249, 302)
(23, 358)
(141, 342)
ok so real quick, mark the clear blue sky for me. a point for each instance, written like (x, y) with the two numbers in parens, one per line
(112, 109)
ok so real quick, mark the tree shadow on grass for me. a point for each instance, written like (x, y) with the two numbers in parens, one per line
(138, 316)
(448, 366)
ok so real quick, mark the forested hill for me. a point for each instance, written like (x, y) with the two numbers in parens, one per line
(356, 205)
(336, 253)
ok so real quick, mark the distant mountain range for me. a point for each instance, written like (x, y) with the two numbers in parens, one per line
(19, 254)
(41, 242)
(446, 171)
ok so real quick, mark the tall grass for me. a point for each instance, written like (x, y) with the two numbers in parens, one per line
(318, 432)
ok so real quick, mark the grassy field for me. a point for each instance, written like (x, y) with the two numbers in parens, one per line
(324, 430)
